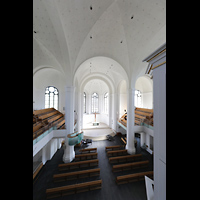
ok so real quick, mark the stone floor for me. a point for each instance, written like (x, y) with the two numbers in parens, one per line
(110, 190)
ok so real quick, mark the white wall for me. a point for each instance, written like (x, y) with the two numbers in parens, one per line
(122, 95)
(147, 100)
(122, 104)
(87, 118)
(47, 77)
(145, 85)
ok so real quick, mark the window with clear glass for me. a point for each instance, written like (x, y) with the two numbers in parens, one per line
(138, 98)
(51, 97)
(84, 102)
(95, 102)
(106, 103)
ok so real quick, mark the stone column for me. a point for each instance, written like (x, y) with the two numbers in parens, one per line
(79, 112)
(130, 146)
(69, 153)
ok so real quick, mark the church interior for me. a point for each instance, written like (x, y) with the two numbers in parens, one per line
(99, 99)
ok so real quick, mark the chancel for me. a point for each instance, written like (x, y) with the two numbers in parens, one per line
(95, 123)
(99, 99)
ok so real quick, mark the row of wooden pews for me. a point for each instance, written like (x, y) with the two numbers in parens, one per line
(44, 119)
(128, 165)
(91, 154)
(142, 115)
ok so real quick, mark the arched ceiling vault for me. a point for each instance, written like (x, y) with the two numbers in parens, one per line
(74, 31)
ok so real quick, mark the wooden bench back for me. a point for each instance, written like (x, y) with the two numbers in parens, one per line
(80, 164)
(38, 112)
(73, 189)
(76, 175)
(133, 177)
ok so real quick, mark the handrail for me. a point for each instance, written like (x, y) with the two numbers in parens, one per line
(70, 135)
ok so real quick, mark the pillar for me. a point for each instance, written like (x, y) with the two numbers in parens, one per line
(130, 146)
(79, 112)
(158, 61)
(142, 138)
(114, 113)
(44, 155)
(69, 153)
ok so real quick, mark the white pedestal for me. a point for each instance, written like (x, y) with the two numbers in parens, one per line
(95, 123)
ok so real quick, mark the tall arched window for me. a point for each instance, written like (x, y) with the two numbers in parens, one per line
(51, 97)
(95, 102)
(106, 103)
(138, 98)
(84, 102)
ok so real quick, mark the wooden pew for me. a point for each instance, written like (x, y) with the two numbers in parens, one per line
(76, 175)
(125, 158)
(133, 177)
(54, 118)
(61, 123)
(114, 147)
(37, 126)
(143, 113)
(89, 150)
(123, 140)
(117, 152)
(80, 164)
(86, 156)
(42, 111)
(48, 115)
(129, 166)
(145, 110)
(73, 189)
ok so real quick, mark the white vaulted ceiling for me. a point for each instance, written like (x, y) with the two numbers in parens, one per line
(67, 33)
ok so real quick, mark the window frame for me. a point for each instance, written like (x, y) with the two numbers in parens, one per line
(106, 104)
(94, 107)
(84, 102)
(48, 92)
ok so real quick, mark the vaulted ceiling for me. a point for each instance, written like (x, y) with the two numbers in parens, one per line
(66, 33)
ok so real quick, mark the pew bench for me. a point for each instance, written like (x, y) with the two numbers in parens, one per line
(80, 164)
(117, 152)
(89, 150)
(129, 166)
(123, 140)
(76, 175)
(73, 189)
(117, 147)
(133, 177)
(86, 156)
(125, 158)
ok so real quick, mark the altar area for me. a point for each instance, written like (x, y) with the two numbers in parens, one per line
(97, 132)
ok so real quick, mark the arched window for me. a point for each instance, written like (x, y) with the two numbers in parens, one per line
(95, 102)
(84, 102)
(106, 103)
(51, 97)
(138, 98)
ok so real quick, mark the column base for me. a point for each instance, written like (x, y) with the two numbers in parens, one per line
(131, 150)
(69, 154)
